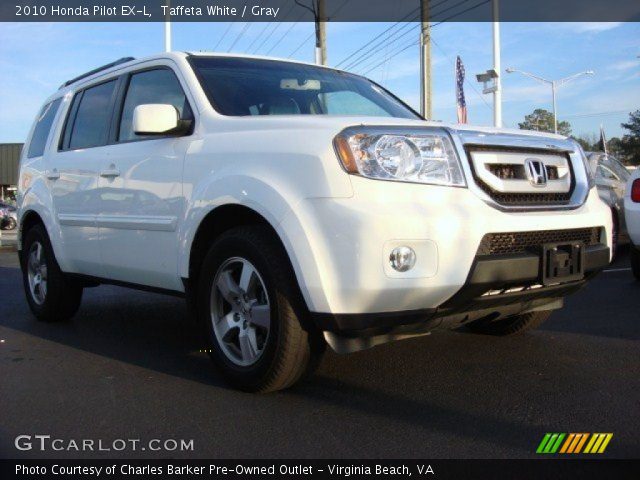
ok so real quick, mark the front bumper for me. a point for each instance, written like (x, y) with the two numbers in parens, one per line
(340, 248)
(513, 279)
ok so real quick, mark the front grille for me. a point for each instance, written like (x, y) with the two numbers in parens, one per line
(525, 199)
(522, 242)
(517, 172)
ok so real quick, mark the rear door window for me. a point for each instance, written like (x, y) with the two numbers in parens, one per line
(91, 123)
(42, 129)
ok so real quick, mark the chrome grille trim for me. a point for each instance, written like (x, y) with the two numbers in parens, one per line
(464, 139)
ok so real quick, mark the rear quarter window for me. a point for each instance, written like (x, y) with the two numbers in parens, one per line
(42, 129)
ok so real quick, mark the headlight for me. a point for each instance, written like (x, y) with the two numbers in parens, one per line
(383, 154)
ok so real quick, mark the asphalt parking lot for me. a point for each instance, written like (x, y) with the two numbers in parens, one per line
(128, 367)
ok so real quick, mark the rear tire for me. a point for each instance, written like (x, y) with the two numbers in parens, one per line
(51, 296)
(511, 325)
(634, 259)
(252, 314)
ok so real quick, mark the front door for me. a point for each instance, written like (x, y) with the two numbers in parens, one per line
(140, 186)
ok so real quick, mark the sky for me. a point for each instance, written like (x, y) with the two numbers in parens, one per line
(35, 58)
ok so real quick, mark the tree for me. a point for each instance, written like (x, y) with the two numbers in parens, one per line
(630, 145)
(542, 120)
(614, 146)
(588, 142)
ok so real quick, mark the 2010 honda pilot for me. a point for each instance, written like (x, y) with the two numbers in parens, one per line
(296, 206)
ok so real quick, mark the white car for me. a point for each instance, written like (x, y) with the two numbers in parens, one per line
(632, 216)
(296, 206)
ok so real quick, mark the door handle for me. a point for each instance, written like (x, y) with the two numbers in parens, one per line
(110, 173)
(53, 174)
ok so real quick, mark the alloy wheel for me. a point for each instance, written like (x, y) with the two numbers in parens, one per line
(37, 273)
(240, 311)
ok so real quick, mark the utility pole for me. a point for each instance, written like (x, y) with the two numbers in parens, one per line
(321, 32)
(425, 61)
(318, 9)
(497, 93)
(167, 29)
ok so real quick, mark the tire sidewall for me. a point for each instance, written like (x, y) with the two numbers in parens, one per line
(37, 234)
(223, 249)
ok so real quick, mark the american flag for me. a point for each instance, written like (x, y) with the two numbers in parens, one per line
(460, 101)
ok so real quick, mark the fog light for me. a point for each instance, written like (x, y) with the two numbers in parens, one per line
(402, 259)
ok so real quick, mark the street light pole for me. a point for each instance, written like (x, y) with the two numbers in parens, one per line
(555, 112)
(497, 93)
(554, 87)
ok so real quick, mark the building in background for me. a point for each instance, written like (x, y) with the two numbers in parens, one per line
(9, 160)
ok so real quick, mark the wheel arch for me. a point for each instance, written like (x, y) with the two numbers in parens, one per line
(223, 218)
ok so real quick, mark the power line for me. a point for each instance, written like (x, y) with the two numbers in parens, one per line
(413, 43)
(367, 60)
(366, 55)
(281, 38)
(302, 44)
(376, 37)
(275, 28)
(435, 25)
(410, 17)
(223, 35)
(594, 114)
(284, 35)
(335, 12)
(269, 35)
(258, 36)
(460, 13)
(242, 32)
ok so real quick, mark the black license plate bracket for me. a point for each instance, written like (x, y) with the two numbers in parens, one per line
(562, 262)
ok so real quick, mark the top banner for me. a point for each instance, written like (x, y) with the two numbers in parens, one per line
(433, 11)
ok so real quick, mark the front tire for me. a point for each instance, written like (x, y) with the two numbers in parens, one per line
(252, 313)
(634, 259)
(50, 295)
(513, 325)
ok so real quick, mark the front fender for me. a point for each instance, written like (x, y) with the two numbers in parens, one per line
(263, 198)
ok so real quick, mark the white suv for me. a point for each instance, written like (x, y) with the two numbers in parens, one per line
(294, 206)
(632, 215)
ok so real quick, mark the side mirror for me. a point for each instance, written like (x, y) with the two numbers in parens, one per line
(157, 119)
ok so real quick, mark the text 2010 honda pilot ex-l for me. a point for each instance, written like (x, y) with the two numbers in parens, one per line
(296, 206)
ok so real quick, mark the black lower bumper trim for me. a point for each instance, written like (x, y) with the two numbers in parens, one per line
(488, 273)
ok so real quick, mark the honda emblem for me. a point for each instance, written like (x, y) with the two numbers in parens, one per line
(536, 172)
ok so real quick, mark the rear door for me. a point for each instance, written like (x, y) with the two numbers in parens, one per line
(141, 186)
(73, 173)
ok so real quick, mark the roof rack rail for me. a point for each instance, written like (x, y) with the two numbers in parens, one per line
(96, 70)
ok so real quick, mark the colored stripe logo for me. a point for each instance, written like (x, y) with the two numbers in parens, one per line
(574, 443)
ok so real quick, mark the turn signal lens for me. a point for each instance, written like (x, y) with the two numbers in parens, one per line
(635, 190)
(345, 154)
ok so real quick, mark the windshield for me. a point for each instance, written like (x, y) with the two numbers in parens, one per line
(246, 86)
